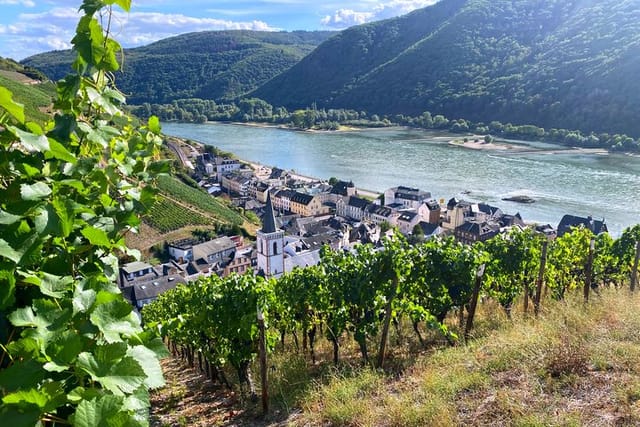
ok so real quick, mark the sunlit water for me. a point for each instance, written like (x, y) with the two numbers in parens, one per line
(580, 184)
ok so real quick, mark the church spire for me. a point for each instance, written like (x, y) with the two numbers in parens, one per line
(269, 222)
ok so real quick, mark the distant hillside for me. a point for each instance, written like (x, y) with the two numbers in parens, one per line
(554, 63)
(28, 87)
(214, 65)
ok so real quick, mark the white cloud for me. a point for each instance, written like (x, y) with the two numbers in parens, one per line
(343, 18)
(25, 3)
(53, 29)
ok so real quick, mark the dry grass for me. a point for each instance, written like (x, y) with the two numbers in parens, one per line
(575, 365)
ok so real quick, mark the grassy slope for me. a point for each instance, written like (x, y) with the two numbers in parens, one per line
(35, 97)
(572, 366)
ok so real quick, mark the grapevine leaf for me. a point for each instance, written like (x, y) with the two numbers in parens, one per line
(21, 375)
(100, 411)
(96, 236)
(36, 191)
(46, 398)
(150, 364)
(8, 252)
(12, 107)
(115, 318)
(138, 401)
(65, 212)
(80, 393)
(58, 151)
(124, 4)
(83, 300)
(55, 286)
(154, 344)
(7, 286)
(64, 348)
(101, 101)
(14, 416)
(154, 124)
(30, 141)
(7, 219)
(122, 377)
(25, 317)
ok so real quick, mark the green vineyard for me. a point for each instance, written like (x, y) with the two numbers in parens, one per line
(166, 216)
(198, 199)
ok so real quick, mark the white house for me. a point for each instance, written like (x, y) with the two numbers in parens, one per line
(409, 198)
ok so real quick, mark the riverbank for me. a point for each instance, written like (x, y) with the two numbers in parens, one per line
(341, 128)
(478, 143)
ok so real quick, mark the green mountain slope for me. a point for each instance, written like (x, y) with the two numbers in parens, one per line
(554, 63)
(210, 65)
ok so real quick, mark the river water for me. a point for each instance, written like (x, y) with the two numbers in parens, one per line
(602, 185)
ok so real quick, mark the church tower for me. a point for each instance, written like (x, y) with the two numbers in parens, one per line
(270, 241)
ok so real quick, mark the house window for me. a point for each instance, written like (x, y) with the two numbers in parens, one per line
(275, 248)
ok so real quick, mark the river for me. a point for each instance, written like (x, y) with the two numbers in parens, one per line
(602, 185)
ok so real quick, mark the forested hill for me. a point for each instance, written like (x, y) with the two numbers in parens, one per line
(554, 63)
(210, 65)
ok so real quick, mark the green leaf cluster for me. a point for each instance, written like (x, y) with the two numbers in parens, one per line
(71, 349)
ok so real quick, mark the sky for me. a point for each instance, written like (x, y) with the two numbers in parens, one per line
(28, 27)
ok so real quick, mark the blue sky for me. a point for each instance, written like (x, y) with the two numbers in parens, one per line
(32, 26)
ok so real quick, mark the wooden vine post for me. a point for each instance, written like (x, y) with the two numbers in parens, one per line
(589, 270)
(474, 301)
(634, 270)
(540, 280)
(263, 363)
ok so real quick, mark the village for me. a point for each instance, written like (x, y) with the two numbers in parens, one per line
(300, 215)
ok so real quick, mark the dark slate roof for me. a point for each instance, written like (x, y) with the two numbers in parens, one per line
(411, 193)
(407, 216)
(262, 187)
(433, 205)
(569, 221)
(427, 228)
(285, 193)
(303, 199)
(379, 210)
(269, 220)
(317, 241)
(478, 228)
(153, 289)
(359, 203)
(487, 209)
(511, 220)
(276, 173)
(341, 187)
(452, 203)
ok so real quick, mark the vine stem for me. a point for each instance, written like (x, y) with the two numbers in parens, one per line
(4, 349)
